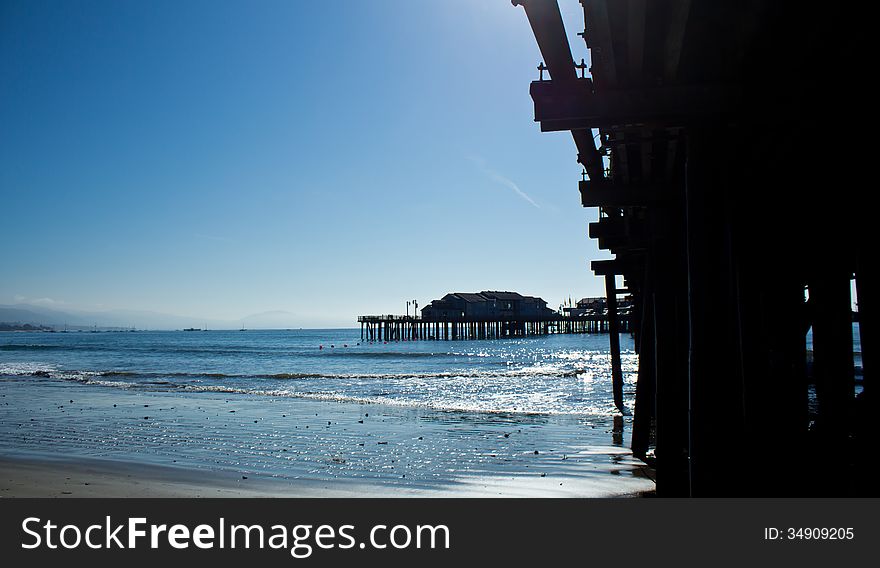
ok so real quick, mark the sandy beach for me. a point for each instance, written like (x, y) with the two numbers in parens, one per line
(62, 478)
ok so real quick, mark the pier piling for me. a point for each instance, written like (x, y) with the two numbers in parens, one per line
(722, 207)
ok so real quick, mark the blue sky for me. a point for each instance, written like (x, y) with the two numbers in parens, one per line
(329, 159)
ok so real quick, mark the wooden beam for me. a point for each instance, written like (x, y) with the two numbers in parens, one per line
(620, 265)
(588, 155)
(623, 245)
(636, 16)
(671, 151)
(549, 30)
(608, 227)
(647, 155)
(598, 36)
(675, 30)
(620, 165)
(574, 105)
(595, 194)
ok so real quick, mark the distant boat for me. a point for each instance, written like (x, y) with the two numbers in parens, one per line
(192, 329)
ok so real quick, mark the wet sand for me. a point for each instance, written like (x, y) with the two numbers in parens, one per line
(67, 440)
(35, 477)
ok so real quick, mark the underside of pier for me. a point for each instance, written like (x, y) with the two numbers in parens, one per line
(725, 145)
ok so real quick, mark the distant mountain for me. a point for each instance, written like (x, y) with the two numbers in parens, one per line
(143, 319)
(10, 314)
(38, 315)
(140, 319)
(23, 327)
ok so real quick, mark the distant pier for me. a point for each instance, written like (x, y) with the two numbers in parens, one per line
(496, 315)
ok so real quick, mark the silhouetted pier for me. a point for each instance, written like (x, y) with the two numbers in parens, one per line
(413, 328)
(493, 314)
(725, 145)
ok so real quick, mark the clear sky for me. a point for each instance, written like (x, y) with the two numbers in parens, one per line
(325, 158)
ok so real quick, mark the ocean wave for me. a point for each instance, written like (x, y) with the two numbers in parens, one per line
(318, 350)
(22, 369)
(489, 406)
(448, 396)
(338, 351)
(159, 378)
(31, 347)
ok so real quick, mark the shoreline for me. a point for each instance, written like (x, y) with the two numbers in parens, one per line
(62, 438)
(35, 476)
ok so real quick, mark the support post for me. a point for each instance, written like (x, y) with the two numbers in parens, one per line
(833, 352)
(614, 340)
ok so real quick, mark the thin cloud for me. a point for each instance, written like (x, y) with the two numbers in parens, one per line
(500, 179)
(19, 299)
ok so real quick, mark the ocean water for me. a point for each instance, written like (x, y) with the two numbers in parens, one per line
(555, 374)
(416, 415)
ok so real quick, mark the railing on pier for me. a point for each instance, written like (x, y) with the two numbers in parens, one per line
(391, 327)
(389, 317)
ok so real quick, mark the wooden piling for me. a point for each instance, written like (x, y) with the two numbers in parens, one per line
(614, 337)
(833, 351)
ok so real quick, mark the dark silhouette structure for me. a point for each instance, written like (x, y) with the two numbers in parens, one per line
(488, 306)
(724, 143)
(492, 315)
